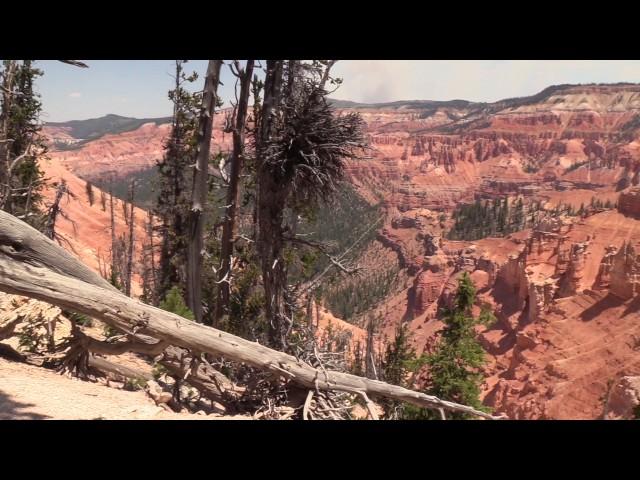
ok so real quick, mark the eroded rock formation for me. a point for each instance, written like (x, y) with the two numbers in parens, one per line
(625, 272)
(624, 400)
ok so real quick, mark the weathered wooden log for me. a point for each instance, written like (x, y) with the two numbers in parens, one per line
(32, 265)
(177, 361)
(210, 383)
(25, 244)
(120, 370)
(118, 348)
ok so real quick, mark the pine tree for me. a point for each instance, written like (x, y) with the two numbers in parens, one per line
(397, 355)
(21, 143)
(172, 202)
(400, 366)
(174, 303)
(455, 365)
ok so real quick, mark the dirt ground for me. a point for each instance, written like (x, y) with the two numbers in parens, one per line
(32, 393)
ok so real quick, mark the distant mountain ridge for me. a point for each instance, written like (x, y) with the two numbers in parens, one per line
(79, 132)
(459, 103)
(75, 133)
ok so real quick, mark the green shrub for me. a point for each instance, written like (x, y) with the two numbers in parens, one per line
(174, 303)
(79, 319)
(133, 384)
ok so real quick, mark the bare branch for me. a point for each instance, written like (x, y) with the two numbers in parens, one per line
(75, 63)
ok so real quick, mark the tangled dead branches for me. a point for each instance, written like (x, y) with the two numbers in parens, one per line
(322, 405)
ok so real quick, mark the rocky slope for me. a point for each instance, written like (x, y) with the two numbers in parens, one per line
(32, 393)
(576, 137)
(565, 293)
(86, 228)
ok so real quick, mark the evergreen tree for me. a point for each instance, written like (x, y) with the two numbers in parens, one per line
(399, 358)
(480, 219)
(174, 303)
(173, 201)
(397, 355)
(21, 143)
(455, 365)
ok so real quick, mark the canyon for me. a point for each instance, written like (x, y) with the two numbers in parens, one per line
(564, 291)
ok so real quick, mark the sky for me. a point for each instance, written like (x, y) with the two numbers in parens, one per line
(138, 88)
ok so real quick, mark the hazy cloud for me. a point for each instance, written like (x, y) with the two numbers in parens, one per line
(475, 80)
(75, 95)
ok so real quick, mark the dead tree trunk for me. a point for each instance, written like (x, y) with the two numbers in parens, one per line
(54, 210)
(113, 234)
(270, 206)
(369, 361)
(148, 260)
(131, 240)
(34, 266)
(199, 196)
(237, 162)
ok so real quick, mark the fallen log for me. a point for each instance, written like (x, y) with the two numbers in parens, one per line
(120, 370)
(210, 383)
(34, 266)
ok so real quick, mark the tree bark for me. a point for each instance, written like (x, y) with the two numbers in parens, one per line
(270, 206)
(237, 161)
(33, 266)
(199, 197)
